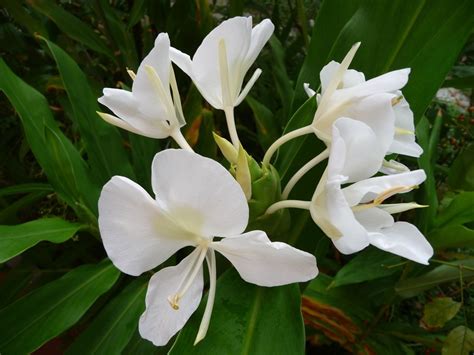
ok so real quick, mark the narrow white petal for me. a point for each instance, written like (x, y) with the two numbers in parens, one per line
(350, 78)
(389, 82)
(393, 167)
(248, 86)
(111, 119)
(393, 208)
(261, 262)
(182, 60)
(260, 35)
(403, 239)
(366, 190)
(199, 193)
(310, 92)
(160, 321)
(137, 235)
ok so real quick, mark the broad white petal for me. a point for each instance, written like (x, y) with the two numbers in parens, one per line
(374, 219)
(236, 33)
(160, 321)
(152, 104)
(377, 112)
(137, 235)
(123, 104)
(199, 193)
(260, 36)
(330, 211)
(351, 77)
(261, 262)
(366, 190)
(404, 142)
(403, 239)
(356, 152)
(182, 60)
(389, 82)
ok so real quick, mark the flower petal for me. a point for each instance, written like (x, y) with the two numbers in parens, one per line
(403, 239)
(151, 103)
(260, 36)
(366, 190)
(137, 236)
(199, 193)
(388, 82)
(261, 262)
(330, 211)
(123, 104)
(356, 152)
(236, 33)
(351, 77)
(374, 219)
(404, 143)
(160, 321)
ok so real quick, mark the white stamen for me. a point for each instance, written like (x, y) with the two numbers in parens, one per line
(224, 74)
(176, 98)
(132, 74)
(163, 94)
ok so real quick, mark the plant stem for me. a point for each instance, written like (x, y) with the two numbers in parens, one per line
(303, 170)
(229, 116)
(180, 140)
(283, 139)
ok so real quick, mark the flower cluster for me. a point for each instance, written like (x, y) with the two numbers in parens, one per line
(200, 204)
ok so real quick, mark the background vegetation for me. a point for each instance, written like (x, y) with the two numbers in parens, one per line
(58, 291)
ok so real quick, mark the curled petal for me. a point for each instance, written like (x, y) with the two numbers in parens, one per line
(137, 235)
(160, 321)
(261, 262)
(260, 36)
(403, 239)
(199, 193)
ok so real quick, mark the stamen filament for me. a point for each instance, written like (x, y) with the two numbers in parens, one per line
(132, 74)
(381, 197)
(224, 74)
(283, 139)
(206, 318)
(189, 276)
(403, 131)
(288, 204)
(163, 94)
(176, 98)
(303, 170)
(396, 100)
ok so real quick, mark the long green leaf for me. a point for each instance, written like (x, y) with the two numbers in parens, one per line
(426, 36)
(25, 188)
(102, 141)
(28, 323)
(72, 26)
(110, 332)
(16, 239)
(247, 321)
(66, 170)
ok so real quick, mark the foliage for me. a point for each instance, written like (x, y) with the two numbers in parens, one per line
(56, 287)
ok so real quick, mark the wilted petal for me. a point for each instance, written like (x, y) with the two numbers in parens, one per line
(366, 190)
(403, 239)
(356, 151)
(261, 262)
(137, 236)
(160, 321)
(199, 193)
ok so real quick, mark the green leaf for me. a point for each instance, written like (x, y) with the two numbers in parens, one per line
(45, 313)
(439, 311)
(9, 214)
(267, 131)
(415, 34)
(452, 236)
(66, 170)
(445, 273)
(71, 26)
(16, 239)
(369, 264)
(466, 82)
(112, 329)
(459, 211)
(460, 341)
(137, 12)
(247, 319)
(461, 173)
(103, 142)
(25, 188)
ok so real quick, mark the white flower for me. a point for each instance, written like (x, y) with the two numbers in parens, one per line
(149, 109)
(377, 102)
(196, 201)
(226, 54)
(355, 216)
